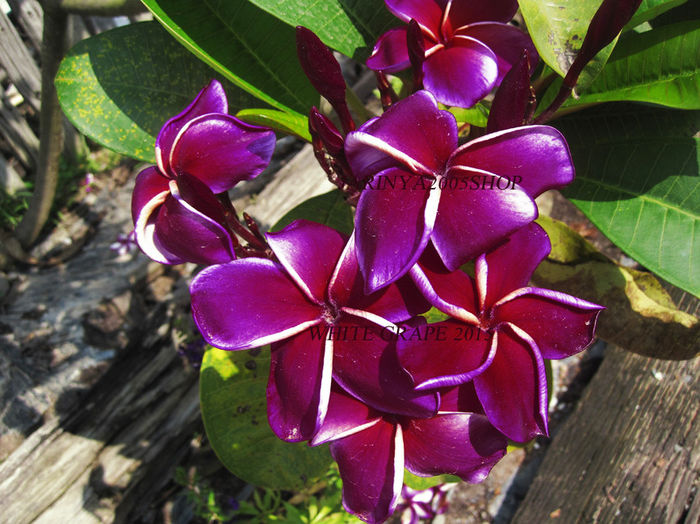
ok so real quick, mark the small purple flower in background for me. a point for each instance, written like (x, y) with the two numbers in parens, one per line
(124, 243)
(87, 182)
(469, 46)
(507, 330)
(420, 186)
(293, 304)
(200, 152)
(427, 504)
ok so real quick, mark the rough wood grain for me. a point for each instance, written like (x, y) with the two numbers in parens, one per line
(31, 18)
(629, 453)
(19, 136)
(18, 62)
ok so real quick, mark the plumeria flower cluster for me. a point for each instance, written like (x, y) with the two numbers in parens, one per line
(354, 363)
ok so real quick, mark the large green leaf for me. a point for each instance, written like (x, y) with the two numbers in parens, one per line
(557, 27)
(329, 209)
(232, 394)
(640, 315)
(637, 179)
(649, 9)
(119, 88)
(661, 66)
(250, 47)
(348, 26)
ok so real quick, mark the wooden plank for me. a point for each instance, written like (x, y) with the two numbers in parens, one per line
(631, 450)
(19, 63)
(16, 131)
(31, 17)
(102, 459)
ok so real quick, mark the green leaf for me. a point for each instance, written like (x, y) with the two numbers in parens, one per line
(477, 116)
(640, 315)
(649, 9)
(349, 26)
(291, 124)
(247, 45)
(120, 87)
(421, 483)
(638, 181)
(232, 394)
(329, 209)
(557, 27)
(661, 66)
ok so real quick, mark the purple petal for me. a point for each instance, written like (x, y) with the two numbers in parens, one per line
(461, 75)
(222, 150)
(472, 221)
(513, 389)
(346, 415)
(560, 324)
(446, 353)
(365, 364)
(395, 303)
(190, 224)
(299, 386)
(511, 265)
(393, 225)
(371, 467)
(150, 183)
(537, 155)
(462, 444)
(211, 99)
(390, 53)
(462, 13)
(506, 41)
(150, 193)
(452, 292)
(413, 133)
(427, 13)
(249, 303)
(309, 252)
(460, 399)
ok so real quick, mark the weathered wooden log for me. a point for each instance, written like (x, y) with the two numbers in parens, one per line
(630, 452)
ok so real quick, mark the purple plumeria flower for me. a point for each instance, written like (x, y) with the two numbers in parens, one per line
(469, 47)
(501, 330)
(373, 447)
(420, 186)
(292, 304)
(200, 152)
(425, 504)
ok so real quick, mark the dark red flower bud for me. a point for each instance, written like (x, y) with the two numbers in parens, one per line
(324, 73)
(606, 24)
(329, 135)
(416, 52)
(515, 99)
